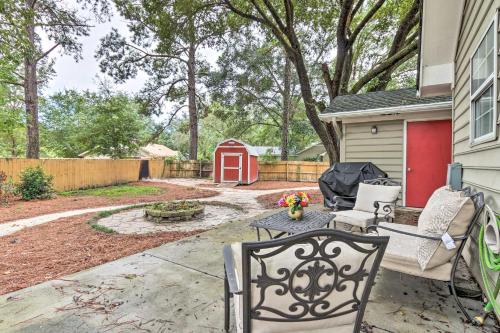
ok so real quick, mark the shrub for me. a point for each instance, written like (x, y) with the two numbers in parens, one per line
(35, 184)
(7, 189)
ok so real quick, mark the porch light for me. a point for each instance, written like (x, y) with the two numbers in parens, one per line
(374, 129)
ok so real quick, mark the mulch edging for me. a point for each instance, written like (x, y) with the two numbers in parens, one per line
(25, 209)
(65, 246)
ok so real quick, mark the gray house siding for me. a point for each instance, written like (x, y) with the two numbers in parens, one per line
(481, 163)
(384, 149)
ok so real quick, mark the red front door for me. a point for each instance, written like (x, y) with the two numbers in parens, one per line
(231, 168)
(428, 152)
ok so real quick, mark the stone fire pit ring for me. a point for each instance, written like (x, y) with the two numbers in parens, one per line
(168, 212)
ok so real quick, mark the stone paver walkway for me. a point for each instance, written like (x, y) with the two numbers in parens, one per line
(244, 198)
(11, 227)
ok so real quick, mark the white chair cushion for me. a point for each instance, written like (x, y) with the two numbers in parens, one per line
(446, 211)
(401, 254)
(357, 218)
(341, 324)
(368, 194)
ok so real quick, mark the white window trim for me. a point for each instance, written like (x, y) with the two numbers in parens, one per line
(490, 81)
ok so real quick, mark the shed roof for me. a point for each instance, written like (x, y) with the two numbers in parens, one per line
(381, 100)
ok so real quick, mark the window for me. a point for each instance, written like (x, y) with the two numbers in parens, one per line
(483, 89)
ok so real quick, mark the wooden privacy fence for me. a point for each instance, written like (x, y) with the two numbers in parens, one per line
(180, 169)
(71, 174)
(294, 171)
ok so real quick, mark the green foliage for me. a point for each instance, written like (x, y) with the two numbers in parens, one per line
(7, 188)
(117, 128)
(101, 228)
(312, 159)
(116, 191)
(100, 123)
(35, 184)
(12, 129)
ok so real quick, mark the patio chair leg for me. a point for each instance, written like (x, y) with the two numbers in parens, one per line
(459, 303)
(453, 288)
(226, 305)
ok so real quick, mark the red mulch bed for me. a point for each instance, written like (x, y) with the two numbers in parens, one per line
(273, 185)
(20, 209)
(270, 201)
(69, 245)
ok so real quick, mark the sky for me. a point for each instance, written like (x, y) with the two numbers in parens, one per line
(83, 74)
(86, 74)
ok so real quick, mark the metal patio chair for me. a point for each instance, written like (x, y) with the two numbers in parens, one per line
(401, 254)
(309, 282)
(376, 199)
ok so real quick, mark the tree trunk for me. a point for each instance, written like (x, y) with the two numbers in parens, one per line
(287, 83)
(31, 93)
(193, 114)
(13, 147)
(326, 134)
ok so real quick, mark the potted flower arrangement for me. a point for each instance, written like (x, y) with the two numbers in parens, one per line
(295, 203)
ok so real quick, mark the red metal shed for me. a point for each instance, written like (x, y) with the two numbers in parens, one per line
(235, 161)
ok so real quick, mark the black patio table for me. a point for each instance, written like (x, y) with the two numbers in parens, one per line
(312, 219)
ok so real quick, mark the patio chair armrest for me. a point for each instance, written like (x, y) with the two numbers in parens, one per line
(385, 206)
(230, 270)
(436, 237)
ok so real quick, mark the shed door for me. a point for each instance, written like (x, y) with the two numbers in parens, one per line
(231, 167)
(428, 153)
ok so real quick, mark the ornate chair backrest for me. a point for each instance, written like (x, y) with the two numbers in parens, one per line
(314, 280)
(381, 181)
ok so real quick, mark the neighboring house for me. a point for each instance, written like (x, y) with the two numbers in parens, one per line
(154, 150)
(316, 151)
(458, 61)
(150, 151)
(397, 131)
(269, 152)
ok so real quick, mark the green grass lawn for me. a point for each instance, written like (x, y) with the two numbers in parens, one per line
(116, 191)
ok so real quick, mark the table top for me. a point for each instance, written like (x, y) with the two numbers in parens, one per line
(312, 219)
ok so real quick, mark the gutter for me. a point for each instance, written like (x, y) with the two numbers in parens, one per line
(386, 111)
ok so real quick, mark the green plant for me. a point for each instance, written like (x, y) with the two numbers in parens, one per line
(316, 158)
(35, 184)
(116, 191)
(7, 188)
(102, 228)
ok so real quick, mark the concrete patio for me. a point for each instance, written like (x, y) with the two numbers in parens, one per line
(178, 287)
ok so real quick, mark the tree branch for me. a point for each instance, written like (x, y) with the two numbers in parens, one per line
(46, 53)
(365, 20)
(15, 83)
(155, 55)
(357, 7)
(244, 14)
(274, 14)
(397, 59)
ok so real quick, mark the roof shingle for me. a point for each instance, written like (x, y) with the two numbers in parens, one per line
(381, 100)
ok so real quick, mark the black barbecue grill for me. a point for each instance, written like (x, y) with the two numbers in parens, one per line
(342, 180)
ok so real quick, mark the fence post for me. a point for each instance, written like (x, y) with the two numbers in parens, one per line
(286, 166)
